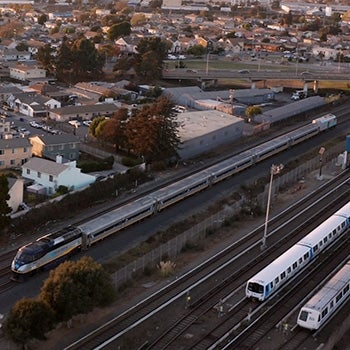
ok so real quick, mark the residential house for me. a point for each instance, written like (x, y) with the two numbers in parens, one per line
(26, 73)
(14, 55)
(126, 45)
(6, 91)
(48, 90)
(34, 46)
(32, 104)
(5, 128)
(87, 112)
(49, 146)
(14, 152)
(48, 175)
(15, 193)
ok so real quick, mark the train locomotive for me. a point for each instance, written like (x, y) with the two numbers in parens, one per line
(324, 304)
(273, 276)
(36, 255)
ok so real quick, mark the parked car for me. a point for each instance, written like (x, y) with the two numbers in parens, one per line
(87, 122)
(75, 123)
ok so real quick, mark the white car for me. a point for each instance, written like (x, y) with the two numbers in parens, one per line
(75, 123)
(87, 122)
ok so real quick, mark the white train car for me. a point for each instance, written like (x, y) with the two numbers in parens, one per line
(325, 122)
(117, 219)
(323, 305)
(274, 275)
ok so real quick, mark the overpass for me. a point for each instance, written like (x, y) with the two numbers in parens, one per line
(254, 76)
(190, 74)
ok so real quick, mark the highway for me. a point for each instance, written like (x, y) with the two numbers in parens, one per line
(254, 75)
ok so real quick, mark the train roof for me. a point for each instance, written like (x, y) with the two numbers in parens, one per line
(34, 247)
(321, 231)
(227, 163)
(344, 211)
(325, 118)
(180, 186)
(304, 130)
(330, 289)
(112, 217)
(272, 144)
(279, 265)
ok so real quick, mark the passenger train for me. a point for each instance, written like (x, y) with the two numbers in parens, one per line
(54, 246)
(324, 304)
(273, 276)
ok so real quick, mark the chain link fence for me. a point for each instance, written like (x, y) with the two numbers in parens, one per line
(171, 249)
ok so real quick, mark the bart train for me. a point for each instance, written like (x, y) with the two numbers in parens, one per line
(327, 301)
(290, 263)
(54, 246)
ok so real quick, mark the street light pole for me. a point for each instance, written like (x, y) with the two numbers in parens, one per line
(275, 169)
(321, 152)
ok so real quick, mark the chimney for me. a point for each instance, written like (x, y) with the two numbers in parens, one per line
(59, 159)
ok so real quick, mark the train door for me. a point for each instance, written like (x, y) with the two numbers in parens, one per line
(85, 241)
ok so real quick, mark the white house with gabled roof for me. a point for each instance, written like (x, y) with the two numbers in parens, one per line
(49, 175)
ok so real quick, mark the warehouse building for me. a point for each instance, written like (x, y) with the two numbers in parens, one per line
(203, 131)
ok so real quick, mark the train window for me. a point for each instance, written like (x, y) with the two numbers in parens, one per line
(315, 248)
(320, 243)
(277, 280)
(271, 285)
(330, 236)
(283, 275)
(346, 289)
(303, 315)
(325, 240)
(300, 261)
(306, 256)
(338, 297)
(343, 225)
(334, 232)
(325, 312)
(331, 304)
(295, 265)
(289, 270)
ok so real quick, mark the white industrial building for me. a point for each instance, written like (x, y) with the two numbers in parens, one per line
(202, 131)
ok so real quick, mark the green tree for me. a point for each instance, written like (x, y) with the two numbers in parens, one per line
(118, 30)
(4, 207)
(43, 18)
(252, 111)
(151, 54)
(29, 319)
(78, 60)
(46, 57)
(96, 127)
(138, 19)
(197, 50)
(87, 62)
(77, 287)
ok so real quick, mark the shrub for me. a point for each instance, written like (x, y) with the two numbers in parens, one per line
(166, 268)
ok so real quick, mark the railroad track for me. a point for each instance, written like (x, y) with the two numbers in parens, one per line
(266, 325)
(116, 332)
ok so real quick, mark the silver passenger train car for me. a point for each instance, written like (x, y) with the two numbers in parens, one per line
(27, 258)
